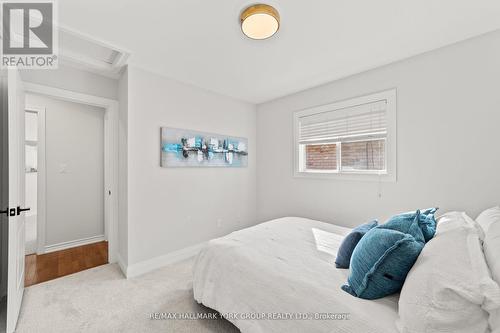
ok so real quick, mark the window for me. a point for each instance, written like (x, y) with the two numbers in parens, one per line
(348, 139)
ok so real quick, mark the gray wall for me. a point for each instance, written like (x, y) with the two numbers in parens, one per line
(448, 155)
(173, 208)
(75, 196)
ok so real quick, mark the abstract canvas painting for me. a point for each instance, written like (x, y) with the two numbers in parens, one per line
(186, 148)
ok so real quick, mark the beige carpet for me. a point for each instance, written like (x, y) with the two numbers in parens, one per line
(102, 300)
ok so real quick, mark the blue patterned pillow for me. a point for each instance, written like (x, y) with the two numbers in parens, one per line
(349, 243)
(385, 255)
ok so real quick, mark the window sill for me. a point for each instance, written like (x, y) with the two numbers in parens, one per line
(350, 176)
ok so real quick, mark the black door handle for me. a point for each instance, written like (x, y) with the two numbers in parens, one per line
(19, 210)
(6, 212)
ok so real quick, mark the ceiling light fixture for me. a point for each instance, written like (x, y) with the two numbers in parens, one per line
(260, 21)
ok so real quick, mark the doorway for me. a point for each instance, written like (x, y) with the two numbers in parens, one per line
(71, 184)
(65, 180)
(12, 200)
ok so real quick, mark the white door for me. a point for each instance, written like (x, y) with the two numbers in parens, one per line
(15, 279)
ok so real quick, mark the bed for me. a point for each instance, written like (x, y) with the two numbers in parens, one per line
(258, 276)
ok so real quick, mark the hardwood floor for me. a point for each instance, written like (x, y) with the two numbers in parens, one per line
(45, 267)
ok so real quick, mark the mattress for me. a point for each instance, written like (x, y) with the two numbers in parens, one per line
(280, 276)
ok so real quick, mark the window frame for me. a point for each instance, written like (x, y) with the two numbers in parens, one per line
(388, 175)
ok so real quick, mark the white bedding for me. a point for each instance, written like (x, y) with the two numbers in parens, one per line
(285, 266)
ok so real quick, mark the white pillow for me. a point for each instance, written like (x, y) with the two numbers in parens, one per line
(488, 217)
(449, 288)
(459, 220)
(490, 222)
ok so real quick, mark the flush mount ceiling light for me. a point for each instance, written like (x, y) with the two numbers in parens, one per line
(260, 21)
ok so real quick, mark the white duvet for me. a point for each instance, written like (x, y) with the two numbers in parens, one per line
(284, 268)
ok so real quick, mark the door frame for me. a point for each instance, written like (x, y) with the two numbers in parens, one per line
(110, 108)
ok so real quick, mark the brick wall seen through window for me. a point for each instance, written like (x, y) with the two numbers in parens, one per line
(359, 155)
(321, 157)
(363, 155)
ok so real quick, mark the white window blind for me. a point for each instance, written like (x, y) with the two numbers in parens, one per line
(362, 121)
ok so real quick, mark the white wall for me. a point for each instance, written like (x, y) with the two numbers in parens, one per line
(73, 79)
(123, 169)
(74, 169)
(170, 209)
(448, 137)
(31, 126)
(31, 192)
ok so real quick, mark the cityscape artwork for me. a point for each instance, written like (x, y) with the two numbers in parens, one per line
(186, 148)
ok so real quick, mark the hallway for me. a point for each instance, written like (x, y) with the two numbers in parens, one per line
(45, 267)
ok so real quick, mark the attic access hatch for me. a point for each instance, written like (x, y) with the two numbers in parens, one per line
(86, 53)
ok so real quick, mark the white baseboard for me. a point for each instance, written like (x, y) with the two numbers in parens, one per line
(121, 264)
(160, 261)
(74, 243)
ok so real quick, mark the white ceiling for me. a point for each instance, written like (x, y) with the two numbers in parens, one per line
(199, 41)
